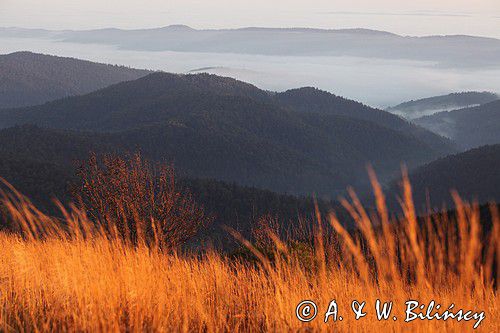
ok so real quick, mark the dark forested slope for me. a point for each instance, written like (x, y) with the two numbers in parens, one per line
(42, 164)
(469, 127)
(29, 79)
(312, 100)
(225, 129)
(474, 174)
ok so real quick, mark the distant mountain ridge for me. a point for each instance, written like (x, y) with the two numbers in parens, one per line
(447, 51)
(427, 106)
(29, 79)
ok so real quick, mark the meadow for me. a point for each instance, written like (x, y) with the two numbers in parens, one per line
(73, 274)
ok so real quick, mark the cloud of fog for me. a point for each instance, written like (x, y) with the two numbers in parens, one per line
(375, 82)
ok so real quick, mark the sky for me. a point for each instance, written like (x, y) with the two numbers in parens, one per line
(416, 17)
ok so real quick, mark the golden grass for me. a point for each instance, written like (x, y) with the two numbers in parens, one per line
(80, 279)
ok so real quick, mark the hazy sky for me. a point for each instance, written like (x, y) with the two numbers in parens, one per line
(417, 17)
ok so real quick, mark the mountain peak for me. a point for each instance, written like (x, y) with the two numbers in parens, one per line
(178, 27)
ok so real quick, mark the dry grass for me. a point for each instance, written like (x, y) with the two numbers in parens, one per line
(79, 279)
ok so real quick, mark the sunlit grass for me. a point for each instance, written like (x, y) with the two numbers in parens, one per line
(79, 278)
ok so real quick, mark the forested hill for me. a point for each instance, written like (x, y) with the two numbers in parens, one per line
(151, 98)
(427, 106)
(30, 79)
(313, 100)
(474, 174)
(220, 128)
(469, 127)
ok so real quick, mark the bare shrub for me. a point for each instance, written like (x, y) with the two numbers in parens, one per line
(266, 228)
(137, 201)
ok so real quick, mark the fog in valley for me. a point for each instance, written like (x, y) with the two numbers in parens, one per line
(377, 68)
